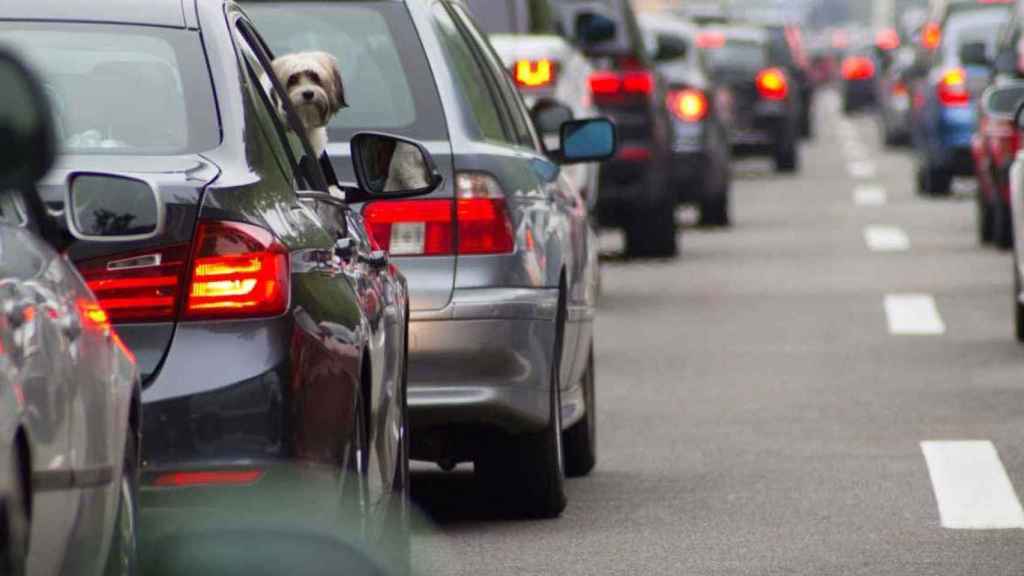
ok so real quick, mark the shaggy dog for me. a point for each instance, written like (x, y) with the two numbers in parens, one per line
(313, 83)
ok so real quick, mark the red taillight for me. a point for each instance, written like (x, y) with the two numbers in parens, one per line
(534, 73)
(931, 35)
(952, 88)
(772, 84)
(238, 270)
(899, 89)
(887, 39)
(479, 224)
(141, 286)
(710, 40)
(858, 68)
(208, 478)
(688, 105)
(605, 83)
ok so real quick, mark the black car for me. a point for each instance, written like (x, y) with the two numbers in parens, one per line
(269, 334)
(763, 109)
(701, 172)
(636, 186)
(788, 51)
(860, 72)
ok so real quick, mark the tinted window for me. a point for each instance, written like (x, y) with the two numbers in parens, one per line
(122, 89)
(473, 83)
(388, 83)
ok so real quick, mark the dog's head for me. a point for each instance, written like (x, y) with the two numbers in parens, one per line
(313, 83)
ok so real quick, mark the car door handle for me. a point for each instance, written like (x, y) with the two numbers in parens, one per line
(378, 259)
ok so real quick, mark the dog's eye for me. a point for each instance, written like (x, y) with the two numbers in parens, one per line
(314, 77)
(293, 80)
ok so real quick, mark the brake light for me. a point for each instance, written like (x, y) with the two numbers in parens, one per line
(688, 105)
(606, 83)
(710, 40)
(952, 88)
(858, 68)
(603, 83)
(772, 84)
(899, 89)
(478, 225)
(534, 73)
(887, 39)
(208, 478)
(931, 35)
(140, 286)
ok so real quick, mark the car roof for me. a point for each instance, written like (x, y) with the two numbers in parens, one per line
(667, 22)
(739, 32)
(169, 13)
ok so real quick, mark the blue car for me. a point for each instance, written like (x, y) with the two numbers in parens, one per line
(944, 100)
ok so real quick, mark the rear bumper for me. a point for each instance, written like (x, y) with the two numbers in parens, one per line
(482, 362)
(858, 93)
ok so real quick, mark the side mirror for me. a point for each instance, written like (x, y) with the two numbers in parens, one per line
(590, 140)
(112, 208)
(27, 136)
(670, 48)
(393, 167)
(549, 115)
(593, 28)
(1003, 101)
(1006, 63)
(974, 54)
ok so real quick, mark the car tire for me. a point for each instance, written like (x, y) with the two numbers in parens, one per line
(123, 556)
(714, 210)
(651, 232)
(14, 521)
(787, 156)
(806, 124)
(1018, 308)
(580, 440)
(530, 467)
(398, 529)
(934, 181)
(1002, 226)
(984, 219)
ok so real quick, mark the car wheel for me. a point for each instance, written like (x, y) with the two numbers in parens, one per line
(806, 125)
(398, 545)
(787, 156)
(714, 210)
(14, 521)
(651, 232)
(530, 467)
(984, 219)
(122, 559)
(1002, 226)
(580, 441)
(934, 181)
(1018, 308)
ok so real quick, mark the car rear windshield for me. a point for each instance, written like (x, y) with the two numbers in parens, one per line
(387, 80)
(737, 55)
(121, 89)
(973, 26)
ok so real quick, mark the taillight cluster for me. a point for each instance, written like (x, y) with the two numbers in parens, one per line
(688, 105)
(232, 270)
(535, 73)
(858, 68)
(952, 88)
(772, 84)
(608, 85)
(478, 223)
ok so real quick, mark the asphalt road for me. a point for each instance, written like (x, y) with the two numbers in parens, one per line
(760, 410)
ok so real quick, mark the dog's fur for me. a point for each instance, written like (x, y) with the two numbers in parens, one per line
(313, 83)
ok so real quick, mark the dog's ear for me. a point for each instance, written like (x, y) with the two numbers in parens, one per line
(335, 88)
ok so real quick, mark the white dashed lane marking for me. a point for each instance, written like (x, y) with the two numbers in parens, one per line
(869, 195)
(886, 239)
(913, 315)
(861, 169)
(971, 487)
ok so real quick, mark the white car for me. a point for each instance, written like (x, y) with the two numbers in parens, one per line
(547, 69)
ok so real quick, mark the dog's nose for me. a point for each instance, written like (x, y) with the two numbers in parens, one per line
(308, 94)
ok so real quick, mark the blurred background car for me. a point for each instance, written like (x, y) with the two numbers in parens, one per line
(547, 68)
(893, 98)
(701, 172)
(501, 260)
(69, 389)
(787, 50)
(764, 104)
(269, 331)
(636, 190)
(957, 42)
(859, 73)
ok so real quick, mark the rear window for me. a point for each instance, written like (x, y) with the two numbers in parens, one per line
(387, 80)
(737, 55)
(120, 89)
(973, 26)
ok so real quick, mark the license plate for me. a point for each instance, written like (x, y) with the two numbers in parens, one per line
(407, 238)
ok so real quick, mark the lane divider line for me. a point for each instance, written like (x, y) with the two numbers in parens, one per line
(869, 195)
(886, 239)
(913, 315)
(971, 486)
(861, 169)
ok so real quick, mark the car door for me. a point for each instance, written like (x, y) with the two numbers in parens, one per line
(567, 237)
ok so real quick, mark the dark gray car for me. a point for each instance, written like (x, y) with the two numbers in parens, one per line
(501, 261)
(69, 390)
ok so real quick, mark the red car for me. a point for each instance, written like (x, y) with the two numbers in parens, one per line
(994, 146)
